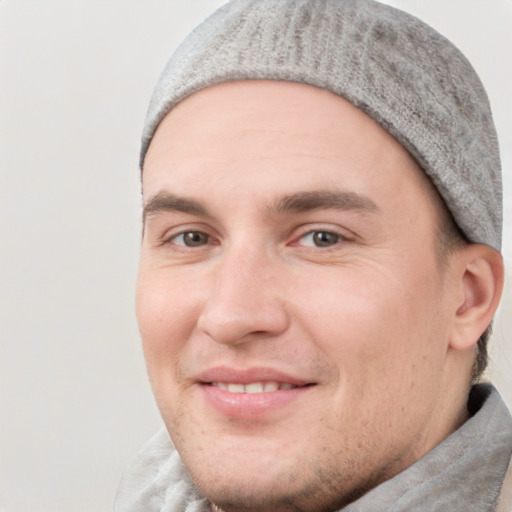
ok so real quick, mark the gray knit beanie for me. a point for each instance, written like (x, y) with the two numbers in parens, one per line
(389, 64)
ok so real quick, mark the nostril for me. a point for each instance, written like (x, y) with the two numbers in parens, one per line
(235, 322)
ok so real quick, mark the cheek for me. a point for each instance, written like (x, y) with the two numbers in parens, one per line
(380, 340)
(166, 318)
(371, 322)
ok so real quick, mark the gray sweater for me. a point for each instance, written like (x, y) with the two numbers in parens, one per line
(464, 473)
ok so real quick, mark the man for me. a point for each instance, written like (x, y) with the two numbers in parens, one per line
(319, 269)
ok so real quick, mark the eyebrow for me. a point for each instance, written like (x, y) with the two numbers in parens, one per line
(299, 202)
(167, 202)
(324, 200)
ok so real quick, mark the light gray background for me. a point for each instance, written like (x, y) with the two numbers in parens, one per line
(75, 79)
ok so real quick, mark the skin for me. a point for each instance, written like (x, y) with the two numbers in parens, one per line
(236, 274)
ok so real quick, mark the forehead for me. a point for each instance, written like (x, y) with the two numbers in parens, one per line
(283, 134)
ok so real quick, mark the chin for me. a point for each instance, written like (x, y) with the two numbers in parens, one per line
(250, 496)
(237, 479)
(241, 480)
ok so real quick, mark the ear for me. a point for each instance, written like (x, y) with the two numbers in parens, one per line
(480, 275)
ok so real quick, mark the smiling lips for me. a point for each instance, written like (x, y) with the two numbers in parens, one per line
(254, 387)
(250, 394)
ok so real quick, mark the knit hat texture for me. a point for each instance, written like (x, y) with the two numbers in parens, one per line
(410, 79)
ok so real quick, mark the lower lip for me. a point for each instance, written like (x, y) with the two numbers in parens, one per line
(250, 405)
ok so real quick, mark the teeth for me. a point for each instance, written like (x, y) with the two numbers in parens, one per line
(253, 387)
(271, 386)
(236, 388)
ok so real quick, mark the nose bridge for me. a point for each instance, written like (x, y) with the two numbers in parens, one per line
(244, 298)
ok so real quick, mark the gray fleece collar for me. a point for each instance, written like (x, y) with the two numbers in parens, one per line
(462, 474)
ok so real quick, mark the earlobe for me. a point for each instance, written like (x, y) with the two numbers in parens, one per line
(481, 275)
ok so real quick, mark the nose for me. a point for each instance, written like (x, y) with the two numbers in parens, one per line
(245, 301)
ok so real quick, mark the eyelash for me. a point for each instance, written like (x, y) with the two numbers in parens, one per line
(335, 236)
(338, 238)
(184, 234)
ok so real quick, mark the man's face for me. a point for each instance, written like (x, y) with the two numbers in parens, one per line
(290, 300)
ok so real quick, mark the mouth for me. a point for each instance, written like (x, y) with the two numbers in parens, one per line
(253, 387)
(252, 393)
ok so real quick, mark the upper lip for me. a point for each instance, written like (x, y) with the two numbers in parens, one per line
(248, 375)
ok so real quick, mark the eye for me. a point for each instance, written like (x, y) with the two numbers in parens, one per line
(191, 239)
(320, 239)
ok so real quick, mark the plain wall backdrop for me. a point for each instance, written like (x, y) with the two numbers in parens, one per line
(75, 81)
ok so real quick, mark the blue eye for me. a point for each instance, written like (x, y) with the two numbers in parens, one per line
(191, 239)
(321, 239)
